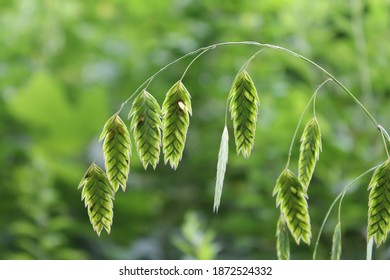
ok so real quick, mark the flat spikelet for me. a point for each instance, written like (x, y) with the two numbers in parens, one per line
(146, 126)
(291, 197)
(176, 111)
(379, 204)
(336, 243)
(117, 150)
(309, 151)
(221, 167)
(282, 240)
(243, 106)
(98, 195)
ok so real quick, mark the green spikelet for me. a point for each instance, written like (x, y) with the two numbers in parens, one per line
(379, 204)
(291, 197)
(309, 151)
(176, 111)
(117, 150)
(221, 168)
(282, 240)
(146, 126)
(98, 195)
(336, 243)
(243, 106)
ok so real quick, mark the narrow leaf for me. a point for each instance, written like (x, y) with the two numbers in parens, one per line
(146, 126)
(336, 243)
(98, 195)
(291, 198)
(309, 151)
(379, 204)
(117, 150)
(243, 106)
(282, 240)
(176, 111)
(221, 167)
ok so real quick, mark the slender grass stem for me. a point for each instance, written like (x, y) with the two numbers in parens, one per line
(192, 61)
(340, 197)
(312, 99)
(254, 43)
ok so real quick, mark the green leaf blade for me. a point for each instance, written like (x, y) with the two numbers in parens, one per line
(309, 151)
(243, 106)
(379, 204)
(146, 126)
(291, 198)
(98, 194)
(176, 111)
(117, 151)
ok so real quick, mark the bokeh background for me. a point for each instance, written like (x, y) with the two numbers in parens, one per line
(66, 66)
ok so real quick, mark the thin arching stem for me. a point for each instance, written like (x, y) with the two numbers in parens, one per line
(339, 197)
(355, 99)
(327, 73)
(192, 61)
(315, 97)
(147, 82)
(250, 60)
(385, 136)
(312, 99)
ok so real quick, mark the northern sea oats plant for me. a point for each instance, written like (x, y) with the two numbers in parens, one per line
(165, 128)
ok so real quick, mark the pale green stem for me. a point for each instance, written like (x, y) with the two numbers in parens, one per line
(148, 81)
(250, 60)
(328, 74)
(339, 197)
(189, 65)
(312, 99)
(385, 136)
(315, 97)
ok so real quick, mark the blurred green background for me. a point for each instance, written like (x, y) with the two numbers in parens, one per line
(66, 66)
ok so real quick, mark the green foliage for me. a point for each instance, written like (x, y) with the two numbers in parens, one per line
(146, 126)
(243, 106)
(176, 111)
(98, 195)
(196, 241)
(291, 198)
(117, 150)
(309, 151)
(336, 243)
(282, 240)
(221, 167)
(379, 204)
